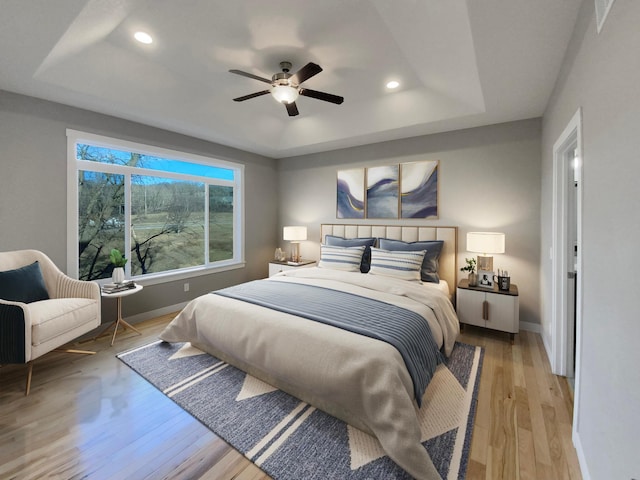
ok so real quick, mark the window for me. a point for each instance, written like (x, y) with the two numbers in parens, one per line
(171, 213)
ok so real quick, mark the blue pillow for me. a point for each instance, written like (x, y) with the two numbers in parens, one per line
(429, 271)
(354, 242)
(24, 284)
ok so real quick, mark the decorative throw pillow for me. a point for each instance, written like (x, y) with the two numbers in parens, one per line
(24, 284)
(398, 264)
(354, 242)
(429, 272)
(341, 258)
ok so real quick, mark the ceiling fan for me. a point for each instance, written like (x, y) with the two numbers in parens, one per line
(285, 87)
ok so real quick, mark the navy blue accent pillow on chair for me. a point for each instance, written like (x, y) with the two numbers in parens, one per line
(24, 284)
(429, 272)
(354, 242)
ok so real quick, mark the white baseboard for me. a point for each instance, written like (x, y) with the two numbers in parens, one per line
(141, 317)
(547, 347)
(581, 457)
(530, 327)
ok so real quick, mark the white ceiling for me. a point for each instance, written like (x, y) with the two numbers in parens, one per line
(461, 63)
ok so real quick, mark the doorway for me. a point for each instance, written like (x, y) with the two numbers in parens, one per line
(566, 253)
(572, 163)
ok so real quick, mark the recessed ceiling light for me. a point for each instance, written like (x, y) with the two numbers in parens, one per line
(393, 84)
(143, 37)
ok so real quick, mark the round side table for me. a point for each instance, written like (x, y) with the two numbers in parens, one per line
(119, 320)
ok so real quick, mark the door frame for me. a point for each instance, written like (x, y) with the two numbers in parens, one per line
(572, 135)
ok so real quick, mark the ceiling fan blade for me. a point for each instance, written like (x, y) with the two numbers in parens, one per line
(327, 97)
(250, 75)
(292, 109)
(305, 73)
(251, 95)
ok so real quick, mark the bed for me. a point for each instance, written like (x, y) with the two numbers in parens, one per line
(359, 378)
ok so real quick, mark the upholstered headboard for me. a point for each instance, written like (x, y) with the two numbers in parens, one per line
(448, 258)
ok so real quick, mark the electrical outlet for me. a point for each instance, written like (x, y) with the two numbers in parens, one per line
(186, 287)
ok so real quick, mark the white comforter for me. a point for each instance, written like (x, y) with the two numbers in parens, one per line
(360, 380)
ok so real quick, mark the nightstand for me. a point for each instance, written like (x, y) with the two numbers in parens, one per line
(277, 267)
(489, 308)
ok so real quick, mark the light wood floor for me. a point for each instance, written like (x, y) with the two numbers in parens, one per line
(92, 417)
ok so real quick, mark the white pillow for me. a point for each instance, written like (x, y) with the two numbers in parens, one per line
(341, 258)
(398, 264)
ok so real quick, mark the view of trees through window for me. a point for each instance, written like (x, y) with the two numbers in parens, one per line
(180, 214)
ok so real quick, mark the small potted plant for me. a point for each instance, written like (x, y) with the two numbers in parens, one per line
(470, 267)
(118, 261)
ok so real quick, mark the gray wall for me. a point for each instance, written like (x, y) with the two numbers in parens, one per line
(601, 74)
(33, 198)
(489, 179)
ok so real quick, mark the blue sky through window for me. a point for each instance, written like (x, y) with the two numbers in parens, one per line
(120, 157)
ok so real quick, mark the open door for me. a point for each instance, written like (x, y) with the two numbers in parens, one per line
(572, 162)
(567, 252)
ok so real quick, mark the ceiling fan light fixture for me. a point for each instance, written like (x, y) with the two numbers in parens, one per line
(285, 87)
(285, 93)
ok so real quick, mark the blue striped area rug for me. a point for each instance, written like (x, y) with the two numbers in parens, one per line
(290, 439)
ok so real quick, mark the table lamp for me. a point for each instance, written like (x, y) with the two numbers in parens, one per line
(295, 235)
(485, 242)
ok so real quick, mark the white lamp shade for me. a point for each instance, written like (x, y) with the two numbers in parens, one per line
(284, 94)
(294, 233)
(485, 242)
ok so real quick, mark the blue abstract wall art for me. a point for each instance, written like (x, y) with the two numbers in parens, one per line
(419, 189)
(382, 192)
(350, 189)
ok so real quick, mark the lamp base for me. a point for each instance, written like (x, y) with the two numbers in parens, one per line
(485, 263)
(295, 253)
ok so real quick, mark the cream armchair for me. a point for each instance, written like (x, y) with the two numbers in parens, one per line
(32, 324)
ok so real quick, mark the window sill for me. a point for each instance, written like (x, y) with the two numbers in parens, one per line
(166, 277)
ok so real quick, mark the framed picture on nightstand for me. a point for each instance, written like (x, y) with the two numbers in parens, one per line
(485, 279)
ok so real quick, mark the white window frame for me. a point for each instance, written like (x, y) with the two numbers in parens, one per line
(74, 165)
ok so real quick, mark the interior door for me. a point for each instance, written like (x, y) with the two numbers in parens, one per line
(572, 246)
